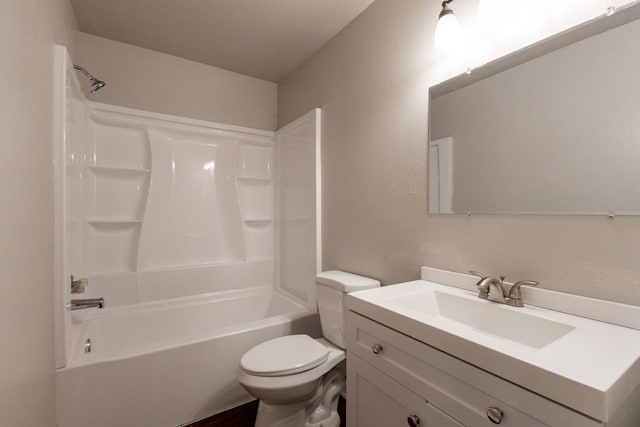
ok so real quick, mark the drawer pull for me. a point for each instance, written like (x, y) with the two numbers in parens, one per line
(376, 348)
(413, 420)
(495, 415)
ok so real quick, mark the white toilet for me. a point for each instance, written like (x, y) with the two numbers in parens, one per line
(297, 379)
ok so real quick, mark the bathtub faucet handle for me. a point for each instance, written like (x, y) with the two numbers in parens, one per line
(77, 286)
(79, 304)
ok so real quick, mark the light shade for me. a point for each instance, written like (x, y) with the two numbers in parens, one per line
(448, 31)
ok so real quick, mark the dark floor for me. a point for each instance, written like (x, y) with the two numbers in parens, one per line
(245, 416)
(242, 416)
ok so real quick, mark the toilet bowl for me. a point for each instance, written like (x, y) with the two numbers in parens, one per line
(298, 379)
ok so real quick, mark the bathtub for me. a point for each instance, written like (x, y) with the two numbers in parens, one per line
(166, 364)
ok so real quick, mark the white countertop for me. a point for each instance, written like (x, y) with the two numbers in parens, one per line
(593, 369)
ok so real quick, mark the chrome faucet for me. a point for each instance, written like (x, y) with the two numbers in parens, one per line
(492, 289)
(78, 304)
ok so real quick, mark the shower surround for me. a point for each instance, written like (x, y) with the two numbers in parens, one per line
(201, 237)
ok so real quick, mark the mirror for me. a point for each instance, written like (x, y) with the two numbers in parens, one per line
(553, 128)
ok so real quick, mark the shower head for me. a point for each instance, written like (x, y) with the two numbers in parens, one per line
(96, 84)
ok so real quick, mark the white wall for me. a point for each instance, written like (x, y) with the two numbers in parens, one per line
(372, 83)
(28, 30)
(153, 81)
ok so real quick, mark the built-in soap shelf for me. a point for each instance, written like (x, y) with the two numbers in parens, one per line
(256, 192)
(116, 197)
(118, 170)
(104, 222)
(253, 179)
(112, 246)
(257, 199)
(259, 238)
(116, 187)
(116, 193)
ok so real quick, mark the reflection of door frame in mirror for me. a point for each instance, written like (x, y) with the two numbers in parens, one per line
(440, 158)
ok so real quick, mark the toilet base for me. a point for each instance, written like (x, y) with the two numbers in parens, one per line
(319, 411)
(281, 415)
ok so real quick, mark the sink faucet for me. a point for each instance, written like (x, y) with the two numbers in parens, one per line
(78, 304)
(493, 289)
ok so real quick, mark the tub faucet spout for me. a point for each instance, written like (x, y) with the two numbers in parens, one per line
(78, 304)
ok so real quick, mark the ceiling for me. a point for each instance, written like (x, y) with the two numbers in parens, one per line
(266, 39)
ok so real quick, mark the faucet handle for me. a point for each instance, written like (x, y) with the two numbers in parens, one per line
(483, 287)
(480, 275)
(515, 294)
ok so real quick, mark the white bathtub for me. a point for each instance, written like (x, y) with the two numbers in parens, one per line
(166, 364)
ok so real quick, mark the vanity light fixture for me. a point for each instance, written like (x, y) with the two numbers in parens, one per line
(448, 31)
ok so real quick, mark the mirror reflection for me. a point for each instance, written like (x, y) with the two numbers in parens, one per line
(559, 133)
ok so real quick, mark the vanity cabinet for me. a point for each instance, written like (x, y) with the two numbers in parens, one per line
(392, 378)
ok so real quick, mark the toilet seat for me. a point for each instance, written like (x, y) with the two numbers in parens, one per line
(286, 355)
(287, 389)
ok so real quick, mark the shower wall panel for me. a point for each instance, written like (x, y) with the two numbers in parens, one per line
(167, 197)
(192, 216)
(299, 213)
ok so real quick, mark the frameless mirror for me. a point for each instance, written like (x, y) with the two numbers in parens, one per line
(553, 128)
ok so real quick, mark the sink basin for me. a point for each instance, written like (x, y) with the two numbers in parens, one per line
(485, 317)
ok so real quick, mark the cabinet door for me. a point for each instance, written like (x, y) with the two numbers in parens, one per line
(373, 399)
(437, 418)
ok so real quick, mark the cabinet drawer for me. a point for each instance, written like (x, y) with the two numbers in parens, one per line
(454, 386)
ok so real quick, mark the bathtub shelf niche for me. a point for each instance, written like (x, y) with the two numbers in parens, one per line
(116, 186)
(106, 222)
(118, 170)
(260, 238)
(250, 179)
(257, 195)
(112, 246)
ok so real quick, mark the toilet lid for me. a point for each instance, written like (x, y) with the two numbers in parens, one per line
(287, 355)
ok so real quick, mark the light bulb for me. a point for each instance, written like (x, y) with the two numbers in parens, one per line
(448, 32)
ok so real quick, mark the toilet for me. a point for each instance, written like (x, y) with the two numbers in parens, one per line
(298, 379)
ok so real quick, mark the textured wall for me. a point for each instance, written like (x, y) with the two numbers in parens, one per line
(28, 30)
(153, 81)
(372, 83)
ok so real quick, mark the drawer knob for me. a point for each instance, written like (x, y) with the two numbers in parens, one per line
(495, 415)
(413, 420)
(376, 348)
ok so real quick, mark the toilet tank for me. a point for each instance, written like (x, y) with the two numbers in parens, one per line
(332, 287)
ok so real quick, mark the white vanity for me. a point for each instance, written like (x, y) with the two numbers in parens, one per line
(431, 353)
